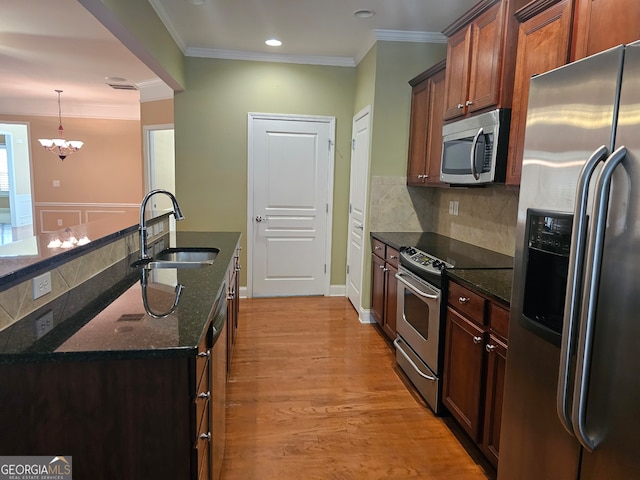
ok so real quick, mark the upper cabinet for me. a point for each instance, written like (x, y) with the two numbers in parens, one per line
(481, 58)
(602, 24)
(543, 44)
(425, 137)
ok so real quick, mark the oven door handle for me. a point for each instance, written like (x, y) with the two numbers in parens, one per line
(416, 290)
(408, 358)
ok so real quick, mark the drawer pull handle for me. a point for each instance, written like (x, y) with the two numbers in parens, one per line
(204, 395)
(460, 106)
(205, 436)
(463, 300)
(393, 257)
(377, 248)
(205, 354)
(490, 348)
(477, 340)
(468, 102)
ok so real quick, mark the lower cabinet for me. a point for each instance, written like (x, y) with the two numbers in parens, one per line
(384, 286)
(474, 365)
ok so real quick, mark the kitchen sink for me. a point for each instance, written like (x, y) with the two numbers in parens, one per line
(184, 257)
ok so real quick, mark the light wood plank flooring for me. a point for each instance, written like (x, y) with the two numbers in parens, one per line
(314, 394)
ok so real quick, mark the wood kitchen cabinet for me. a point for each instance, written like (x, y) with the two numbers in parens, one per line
(602, 24)
(384, 286)
(425, 133)
(474, 365)
(543, 44)
(481, 58)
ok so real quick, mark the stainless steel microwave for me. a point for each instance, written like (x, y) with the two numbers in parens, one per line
(474, 149)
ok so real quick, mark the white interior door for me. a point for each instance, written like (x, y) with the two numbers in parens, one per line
(160, 166)
(290, 190)
(357, 205)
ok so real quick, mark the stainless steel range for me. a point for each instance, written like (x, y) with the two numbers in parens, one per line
(419, 321)
(421, 309)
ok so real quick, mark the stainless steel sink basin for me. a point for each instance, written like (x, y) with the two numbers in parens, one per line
(184, 257)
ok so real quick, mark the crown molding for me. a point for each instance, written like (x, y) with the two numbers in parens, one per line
(270, 57)
(164, 18)
(406, 36)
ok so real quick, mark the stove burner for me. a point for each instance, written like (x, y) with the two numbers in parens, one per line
(418, 259)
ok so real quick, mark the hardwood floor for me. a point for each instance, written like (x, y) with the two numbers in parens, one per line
(314, 394)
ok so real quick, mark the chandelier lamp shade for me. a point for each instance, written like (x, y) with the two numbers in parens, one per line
(59, 146)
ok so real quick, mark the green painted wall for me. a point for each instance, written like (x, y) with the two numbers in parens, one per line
(366, 80)
(396, 64)
(211, 137)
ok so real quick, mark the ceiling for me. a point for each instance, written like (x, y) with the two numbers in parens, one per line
(57, 44)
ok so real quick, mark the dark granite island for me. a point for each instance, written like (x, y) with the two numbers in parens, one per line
(95, 376)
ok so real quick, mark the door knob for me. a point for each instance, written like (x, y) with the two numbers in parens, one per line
(260, 218)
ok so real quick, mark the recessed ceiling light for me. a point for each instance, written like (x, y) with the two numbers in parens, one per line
(364, 13)
(272, 42)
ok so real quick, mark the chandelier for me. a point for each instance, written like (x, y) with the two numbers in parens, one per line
(59, 146)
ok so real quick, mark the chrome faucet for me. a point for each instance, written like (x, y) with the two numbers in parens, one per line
(143, 227)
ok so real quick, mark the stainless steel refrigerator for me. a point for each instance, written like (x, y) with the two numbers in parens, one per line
(572, 389)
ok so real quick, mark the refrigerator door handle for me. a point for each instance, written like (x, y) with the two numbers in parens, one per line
(590, 294)
(574, 284)
(472, 155)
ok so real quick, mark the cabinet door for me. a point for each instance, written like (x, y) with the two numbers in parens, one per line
(602, 24)
(457, 82)
(418, 133)
(486, 59)
(464, 344)
(377, 288)
(496, 366)
(391, 301)
(543, 44)
(436, 114)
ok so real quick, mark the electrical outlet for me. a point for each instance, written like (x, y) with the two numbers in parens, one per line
(160, 227)
(56, 183)
(453, 207)
(41, 285)
(44, 324)
(59, 222)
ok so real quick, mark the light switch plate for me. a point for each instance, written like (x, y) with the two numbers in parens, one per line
(41, 285)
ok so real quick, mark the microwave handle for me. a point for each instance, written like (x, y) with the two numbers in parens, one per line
(472, 155)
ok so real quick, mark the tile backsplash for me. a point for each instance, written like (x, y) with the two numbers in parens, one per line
(486, 216)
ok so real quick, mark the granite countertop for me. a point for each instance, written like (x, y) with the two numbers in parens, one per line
(494, 283)
(481, 269)
(115, 324)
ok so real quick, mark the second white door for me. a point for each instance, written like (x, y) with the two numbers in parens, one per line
(291, 184)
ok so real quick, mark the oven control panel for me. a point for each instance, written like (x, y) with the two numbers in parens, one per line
(428, 263)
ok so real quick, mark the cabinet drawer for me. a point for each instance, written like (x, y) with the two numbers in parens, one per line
(392, 256)
(499, 320)
(378, 248)
(467, 302)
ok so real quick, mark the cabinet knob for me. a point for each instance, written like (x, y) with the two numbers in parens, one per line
(468, 102)
(205, 354)
(204, 395)
(460, 106)
(377, 248)
(477, 340)
(393, 257)
(205, 436)
(381, 267)
(490, 348)
(463, 300)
